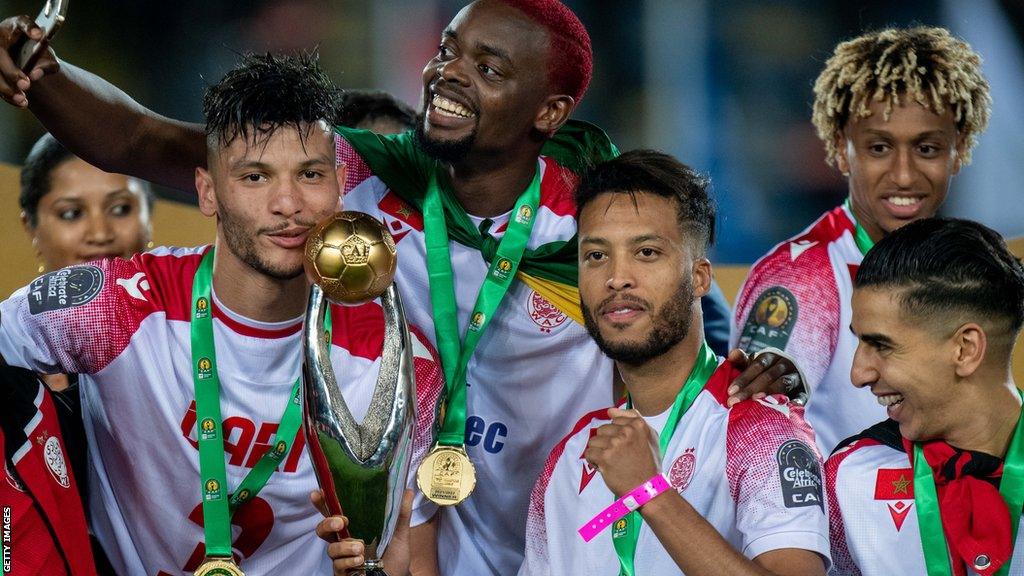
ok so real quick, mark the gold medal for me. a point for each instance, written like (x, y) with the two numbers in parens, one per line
(218, 567)
(446, 476)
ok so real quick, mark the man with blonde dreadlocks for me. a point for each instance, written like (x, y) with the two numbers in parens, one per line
(899, 111)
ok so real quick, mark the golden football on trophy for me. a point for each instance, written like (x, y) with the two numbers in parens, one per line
(351, 256)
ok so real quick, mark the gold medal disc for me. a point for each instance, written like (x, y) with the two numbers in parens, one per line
(218, 567)
(446, 476)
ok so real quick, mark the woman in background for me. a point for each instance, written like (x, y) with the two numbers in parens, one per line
(72, 213)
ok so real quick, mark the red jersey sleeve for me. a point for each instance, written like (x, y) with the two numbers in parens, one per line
(79, 318)
(774, 474)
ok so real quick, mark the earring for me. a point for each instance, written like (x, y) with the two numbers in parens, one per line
(41, 268)
(149, 245)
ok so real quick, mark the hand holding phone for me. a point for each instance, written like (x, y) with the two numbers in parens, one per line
(49, 20)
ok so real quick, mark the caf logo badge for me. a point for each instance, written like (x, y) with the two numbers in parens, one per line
(478, 321)
(205, 368)
(243, 496)
(619, 529)
(524, 214)
(280, 448)
(202, 307)
(212, 489)
(502, 268)
(208, 429)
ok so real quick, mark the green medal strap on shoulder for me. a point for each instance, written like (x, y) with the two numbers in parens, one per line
(455, 355)
(929, 519)
(860, 235)
(212, 470)
(1011, 487)
(217, 505)
(625, 537)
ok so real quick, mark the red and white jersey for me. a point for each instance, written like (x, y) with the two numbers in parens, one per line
(533, 367)
(872, 514)
(124, 326)
(772, 499)
(797, 299)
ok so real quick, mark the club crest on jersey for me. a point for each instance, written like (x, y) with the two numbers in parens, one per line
(681, 472)
(65, 288)
(54, 457)
(800, 475)
(212, 487)
(477, 321)
(543, 313)
(770, 323)
(202, 308)
(205, 368)
(895, 486)
(208, 429)
(502, 269)
(524, 214)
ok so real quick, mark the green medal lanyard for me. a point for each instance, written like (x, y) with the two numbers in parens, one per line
(625, 539)
(217, 507)
(860, 235)
(929, 520)
(455, 355)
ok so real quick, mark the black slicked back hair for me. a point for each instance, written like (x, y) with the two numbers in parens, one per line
(268, 91)
(945, 267)
(657, 173)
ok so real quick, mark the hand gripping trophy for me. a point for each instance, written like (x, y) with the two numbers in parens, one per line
(350, 257)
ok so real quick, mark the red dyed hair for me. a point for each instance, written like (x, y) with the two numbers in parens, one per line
(571, 60)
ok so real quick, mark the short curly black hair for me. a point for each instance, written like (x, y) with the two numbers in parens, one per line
(656, 173)
(265, 92)
(360, 107)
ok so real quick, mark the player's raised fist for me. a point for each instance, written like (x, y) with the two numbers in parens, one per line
(625, 451)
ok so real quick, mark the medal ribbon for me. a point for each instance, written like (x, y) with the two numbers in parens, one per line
(625, 540)
(929, 520)
(455, 355)
(860, 235)
(217, 505)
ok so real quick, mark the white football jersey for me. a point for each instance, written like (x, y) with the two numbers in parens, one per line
(751, 471)
(533, 368)
(872, 514)
(124, 326)
(797, 298)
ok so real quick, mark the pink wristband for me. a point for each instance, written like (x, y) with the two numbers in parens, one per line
(636, 498)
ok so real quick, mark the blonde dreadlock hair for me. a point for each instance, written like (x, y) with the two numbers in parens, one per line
(937, 70)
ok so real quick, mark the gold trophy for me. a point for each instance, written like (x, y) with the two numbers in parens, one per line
(350, 257)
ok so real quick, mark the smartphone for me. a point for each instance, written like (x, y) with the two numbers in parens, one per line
(49, 19)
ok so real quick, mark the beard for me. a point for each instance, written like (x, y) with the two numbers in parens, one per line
(671, 324)
(243, 245)
(448, 151)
